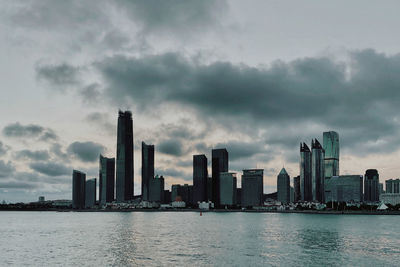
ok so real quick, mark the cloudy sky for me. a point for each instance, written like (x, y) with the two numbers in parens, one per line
(255, 78)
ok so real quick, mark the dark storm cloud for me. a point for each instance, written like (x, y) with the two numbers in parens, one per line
(50, 168)
(58, 151)
(18, 130)
(59, 76)
(6, 169)
(3, 149)
(17, 185)
(359, 99)
(32, 155)
(86, 151)
(172, 147)
(173, 173)
(238, 150)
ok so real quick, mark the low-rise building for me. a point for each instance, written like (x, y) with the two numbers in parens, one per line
(390, 198)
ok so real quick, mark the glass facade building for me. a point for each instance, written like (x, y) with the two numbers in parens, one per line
(227, 189)
(219, 164)
(371, 185)
(331, 148)
(90, 194)
(305, 173)
(78, 189)
(147, 170)
(317, 172)
(200, 175)
(283, 186)
(252, 188)
(344, 188)
(106, 180)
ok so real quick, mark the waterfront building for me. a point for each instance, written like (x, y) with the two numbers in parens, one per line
(305, 173)
(125, 170)
(239, 197)
(227, 189)
(219, 164)
(296, 185)
(283, 186)
(78, 189)
(90, 193)
(148, 171)
(106, 180)
(252, 188)
(390, 198)
(291, 194)
(156, 191)
(371, 182)
(175, 192)
(209, 189)
(317, 172)
(380, 188)
(200, 175)
(167, 197)
(331, 148)
(392, 186)
(344, 188)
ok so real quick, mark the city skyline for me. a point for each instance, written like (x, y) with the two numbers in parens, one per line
(232, 76)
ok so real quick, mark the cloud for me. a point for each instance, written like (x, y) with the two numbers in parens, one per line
(6, 169)
(171, 172)
(238, 149)
(3, 149)
(86, 151)
(50, 168)
(16, 130)
(103, 122)
(59, 76)
(172, 147)
(32, 155)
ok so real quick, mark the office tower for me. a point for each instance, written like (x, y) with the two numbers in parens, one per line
(296, 185)
(344, 188)
(175, 192)
(167, 197)
(200, 175)
(107, 181)
(283, 186)
(124, 157)
(238, 197)
(291, 194)
(317, 172)
(392, 186)
(90, 194)
(209, 189)
(227, 189)
(371, 181)
(156, 189)
(252, 188)
(78, 189)
(219, 164)
(147, 170)
(305, 173)
(331, 148)
(380, 189)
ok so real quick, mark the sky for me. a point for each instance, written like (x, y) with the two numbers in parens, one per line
(255, 77)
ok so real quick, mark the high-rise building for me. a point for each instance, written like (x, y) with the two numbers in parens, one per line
(175, 192)
(296, 185)
(331, 148)
(371, 188)
(167, 197)
(200, 175)
(291, 194)
(124, 190)
(78, 189)
(147, 170)
(283, 186)
(392, 186)
(380, 189)
(106, 180)
(90, 194)
(238, 197)
(344, 188)
(317, 172)
(219, 164)
(252, 188)
(305, 173)
(209, 189)
(227, 189)
(156, 192)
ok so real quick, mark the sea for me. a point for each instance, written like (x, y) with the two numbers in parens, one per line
(192, 239)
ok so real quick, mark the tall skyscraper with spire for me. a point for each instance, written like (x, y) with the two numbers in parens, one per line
(125, 178)
(317, 172)
(331, 148)
(147, 169)
(305, 173)
(283, 186)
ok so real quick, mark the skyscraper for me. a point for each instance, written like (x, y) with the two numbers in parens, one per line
(90, 194)
(296, 185)
(107, 181)
(252, 188)
(393, 186)
(200, 175)
(317, 172)
(147, 169)
(344, 188)
(78, 189)
(305, 173)
(227, 188)
(124, 157)
(331, 147)
(371, 188)
(156, 189)
(219, 164)
(283, 186)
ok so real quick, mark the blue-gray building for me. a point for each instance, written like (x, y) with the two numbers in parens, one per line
(331, 148)
(305, 173)
(78, 189)
(156, 189)
(219, 164)
(124, 172)
(106, 180)
(227, 189)
(371, 185)
(148, 171)
(283, 186)
(344, 188)
(200, 175)
(317, 172)
(252, 188)
(90, 194)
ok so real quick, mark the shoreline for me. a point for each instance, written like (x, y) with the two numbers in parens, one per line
(326, 212)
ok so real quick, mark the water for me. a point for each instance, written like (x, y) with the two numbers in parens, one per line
(185, 238)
